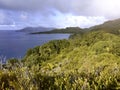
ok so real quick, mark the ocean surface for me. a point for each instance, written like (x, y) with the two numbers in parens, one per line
(15, 44)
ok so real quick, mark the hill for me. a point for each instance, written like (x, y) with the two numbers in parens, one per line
(35, 29)
(112, 26)
(69, 30)
(92, 60)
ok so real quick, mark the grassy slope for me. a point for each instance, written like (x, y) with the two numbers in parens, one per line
(93, 60)
(112, 26)
(92, 49)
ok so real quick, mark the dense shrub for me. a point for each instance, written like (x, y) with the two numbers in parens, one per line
(91, 62)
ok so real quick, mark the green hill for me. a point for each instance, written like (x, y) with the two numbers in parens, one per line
(75, 51)
(93, 60)
(34, 29)
(112, 26)
(69, 30)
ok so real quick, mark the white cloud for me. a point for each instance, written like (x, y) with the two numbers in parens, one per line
(10, 27)
(2, 17)
(58, 13)
(24, 16)
(107, 8)
(70, 20)
(5, 19)
(58, 20)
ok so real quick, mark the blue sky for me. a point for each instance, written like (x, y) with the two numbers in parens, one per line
(16, 14)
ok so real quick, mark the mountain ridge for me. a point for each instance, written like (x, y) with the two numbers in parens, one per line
(35, 29)
(69, 30)
(111, 26)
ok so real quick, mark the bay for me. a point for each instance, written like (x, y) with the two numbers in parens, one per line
(15, 44)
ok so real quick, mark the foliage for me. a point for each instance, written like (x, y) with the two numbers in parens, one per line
(40, 54)
(86, 62)
(67, 30)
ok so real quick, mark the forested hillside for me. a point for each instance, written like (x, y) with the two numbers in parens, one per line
(112, 26)
(67, 30)
(90, 61)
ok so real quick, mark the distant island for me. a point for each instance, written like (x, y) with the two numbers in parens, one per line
(69, 30)
(35, 29)
(112, 26)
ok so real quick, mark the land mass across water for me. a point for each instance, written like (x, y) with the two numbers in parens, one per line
(112, 26)
(35, 29)
(69, 30)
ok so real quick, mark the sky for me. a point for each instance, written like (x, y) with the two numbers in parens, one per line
(16, 14)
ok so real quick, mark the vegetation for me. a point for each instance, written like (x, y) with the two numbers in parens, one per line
(69, 30)
(112, 26)
(89, 61)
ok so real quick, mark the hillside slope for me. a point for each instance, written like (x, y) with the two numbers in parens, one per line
(112, 26)
(34, 29)
(70, 30)
(92, 60)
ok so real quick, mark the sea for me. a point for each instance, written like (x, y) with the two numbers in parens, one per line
(15, 44)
